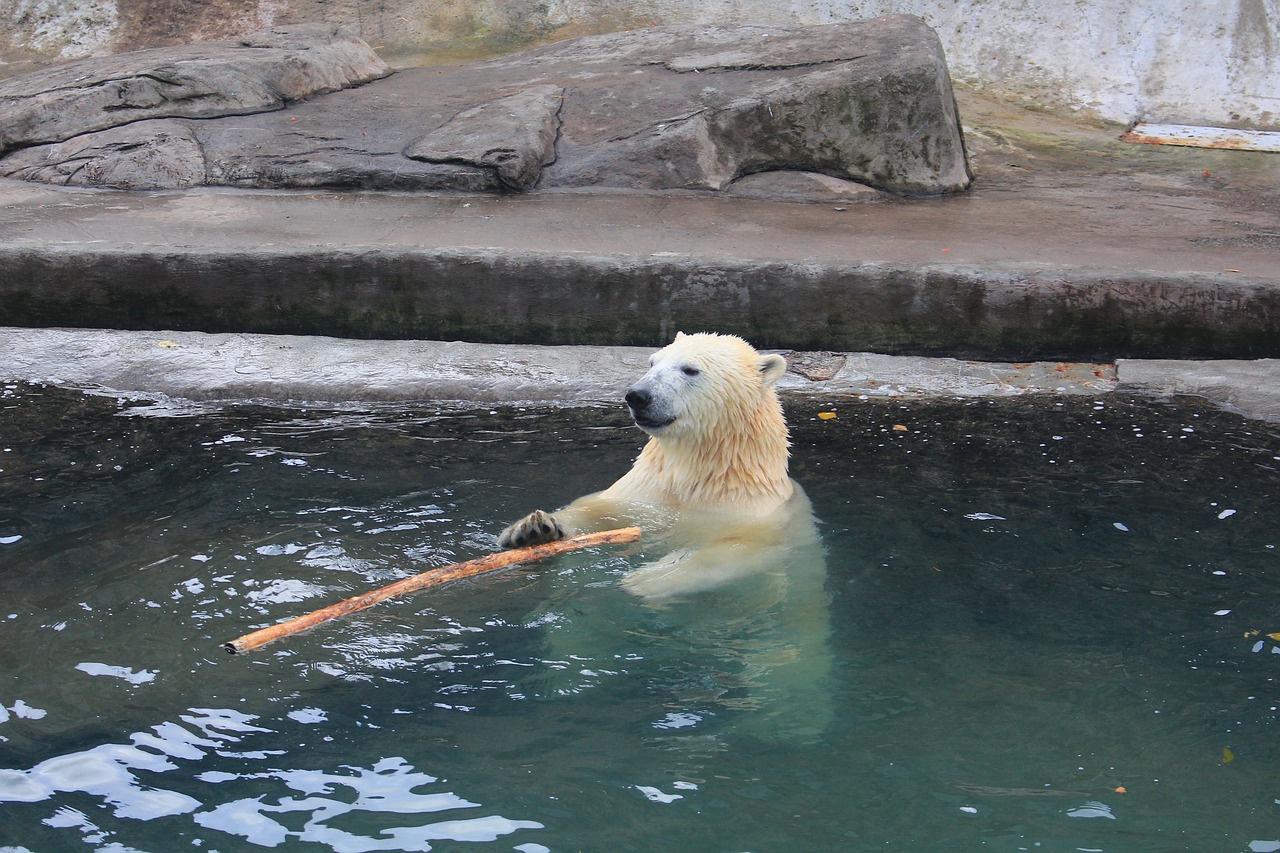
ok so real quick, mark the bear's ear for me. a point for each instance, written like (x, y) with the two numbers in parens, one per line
(679, 335)
(772, 367)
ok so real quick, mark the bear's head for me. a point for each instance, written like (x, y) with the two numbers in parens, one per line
(706, 385)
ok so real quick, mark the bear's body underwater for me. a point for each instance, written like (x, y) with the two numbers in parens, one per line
(733, 570)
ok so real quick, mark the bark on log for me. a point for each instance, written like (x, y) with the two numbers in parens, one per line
(432, 577)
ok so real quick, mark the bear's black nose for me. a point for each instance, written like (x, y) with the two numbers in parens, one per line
(638, 398)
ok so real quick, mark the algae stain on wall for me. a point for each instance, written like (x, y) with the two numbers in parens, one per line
(1255, 54)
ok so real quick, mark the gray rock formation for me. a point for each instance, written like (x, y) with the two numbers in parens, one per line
(202, 81)
(151, 154)
(515, 136)
(866, 104)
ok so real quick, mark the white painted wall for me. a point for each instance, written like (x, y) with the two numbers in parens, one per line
(64, 29)
(1188, 61)
(1184, 61)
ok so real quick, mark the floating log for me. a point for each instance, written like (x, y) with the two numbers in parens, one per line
(432, 577)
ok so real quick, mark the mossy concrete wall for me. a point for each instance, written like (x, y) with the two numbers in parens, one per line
(1188, 61)
(503, 296)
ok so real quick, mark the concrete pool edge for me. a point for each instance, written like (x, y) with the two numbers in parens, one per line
(994, 312)
(995, 309)
(226, 367)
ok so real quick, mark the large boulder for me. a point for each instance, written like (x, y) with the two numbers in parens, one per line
(867, 103)
(152, 154)
(515, 136)
(701, 107)
(200, 81)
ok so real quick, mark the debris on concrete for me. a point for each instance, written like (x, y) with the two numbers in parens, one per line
(1203, 137)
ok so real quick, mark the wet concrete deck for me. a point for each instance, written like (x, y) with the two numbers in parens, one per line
(1072, 246)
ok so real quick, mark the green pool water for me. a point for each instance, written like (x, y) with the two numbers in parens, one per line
(1047, 626)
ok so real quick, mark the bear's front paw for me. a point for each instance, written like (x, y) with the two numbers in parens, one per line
(536, 528)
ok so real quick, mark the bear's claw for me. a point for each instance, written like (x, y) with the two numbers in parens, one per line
(536, 528)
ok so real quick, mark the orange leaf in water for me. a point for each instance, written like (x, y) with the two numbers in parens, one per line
(1275, 636)
(1227, 755)
(899, 428)
(827, 416)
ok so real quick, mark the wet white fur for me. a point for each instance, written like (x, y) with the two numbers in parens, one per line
(721, 516)
(712, 485)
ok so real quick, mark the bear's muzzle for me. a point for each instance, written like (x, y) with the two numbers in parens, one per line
(644, 412)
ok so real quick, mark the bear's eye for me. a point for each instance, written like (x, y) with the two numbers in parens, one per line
(690, 370)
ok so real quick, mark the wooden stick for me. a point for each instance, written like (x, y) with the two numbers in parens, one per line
(432, 577)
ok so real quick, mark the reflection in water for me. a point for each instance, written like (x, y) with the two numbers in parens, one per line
(112, 773)
(386, 788)
(107, 771)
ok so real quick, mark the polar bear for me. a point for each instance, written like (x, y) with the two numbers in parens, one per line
(732, 566)
(712, 480)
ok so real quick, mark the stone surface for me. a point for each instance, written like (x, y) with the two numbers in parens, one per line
(193, 366)
(198, 366)
(1187, 62)
(1072, 245)
(658, 109)
(868, 102)
(144, 155)
(496, 294)
(803, 186)
(259, 73)
(515, 136)
(1251, 387)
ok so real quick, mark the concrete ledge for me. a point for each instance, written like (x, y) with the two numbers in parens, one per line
(1249, 387)
(507, 295)
(199, 366)
(237, 367)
